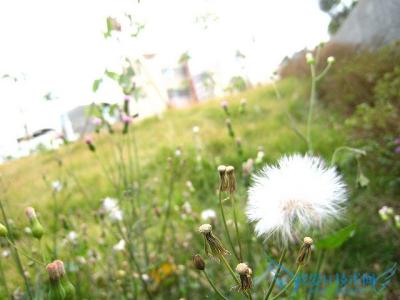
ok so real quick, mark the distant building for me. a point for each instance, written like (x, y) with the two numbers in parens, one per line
(372, 23)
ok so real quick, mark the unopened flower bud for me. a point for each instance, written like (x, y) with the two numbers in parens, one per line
(66, 284)
(30, 213)
(330, 60)
(224, 184)
(89, 141)
(199, 262)
(3, 230)
(310, 58)
(57, 291)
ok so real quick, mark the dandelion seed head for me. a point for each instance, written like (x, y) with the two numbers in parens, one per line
(297, 193)
(205, 228)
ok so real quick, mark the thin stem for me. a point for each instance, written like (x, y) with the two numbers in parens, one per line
(236, 226)
(225, 262)
(313, 97)
(168, 212)
(3, 278)
(16, 255)
(24, 254)
(271, 287)
(225, 225)
(289, 284)
(337, 150)
(214, 287)
(320, 260)
(324, 72)
(55, 215)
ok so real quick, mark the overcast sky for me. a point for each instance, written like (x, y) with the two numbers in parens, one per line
(58, 46)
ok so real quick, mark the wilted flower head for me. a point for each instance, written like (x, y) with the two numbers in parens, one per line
(245, 276)
(305, 250)
(212, 245)
(208, 214)
(199, 262)
(297, 193)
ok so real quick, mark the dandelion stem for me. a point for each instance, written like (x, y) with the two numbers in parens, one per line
(225, 262)
(3, 278)
(236, 226)
(313, 98)
(226, 226)
(321, 257)
(289, 284)
(214, 287)
(271, 287)
(24, 254)
(16, 255)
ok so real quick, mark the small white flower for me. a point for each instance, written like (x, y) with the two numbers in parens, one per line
(310, 58)
(116, 215)
(196, 129)
(178, 152)
(330, 60)
(72, 236)
(56, 186)
(187, 208)
(5, 253)
(120, 246)
(208, 214)
(145, 277)
(109, 204)
(297, 193)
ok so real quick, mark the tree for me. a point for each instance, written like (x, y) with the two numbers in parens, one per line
(338, 10)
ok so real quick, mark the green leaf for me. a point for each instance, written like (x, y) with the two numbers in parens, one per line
(112, 75)
(96, 84)
(362, 180)
(337, 239)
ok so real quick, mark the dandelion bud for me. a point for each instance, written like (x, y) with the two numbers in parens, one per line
(56, 292)
(224, 105)
(305, 251)
(230, 173)
(245, 276)
(89, 142)
(199, 262)
(383, 213)
(330, 60)
(30, 213)
(224, 184)
(310, 58)
(3, 230)
(230, 128)
(66, 284)
(37, 229)
(397, 221)
(212, 245)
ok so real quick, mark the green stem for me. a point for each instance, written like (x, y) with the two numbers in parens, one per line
(16, 256)
(214, 287)
(289, 284)
(337, 150)
(320, 260)
(236, 226)
(271, 287)
(3, 278)
(24, 254)
(226, 226)
(313, 97)
(225, 262)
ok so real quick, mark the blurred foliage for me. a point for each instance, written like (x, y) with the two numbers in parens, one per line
(338, 10)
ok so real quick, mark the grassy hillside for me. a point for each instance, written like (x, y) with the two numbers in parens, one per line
(264, 124)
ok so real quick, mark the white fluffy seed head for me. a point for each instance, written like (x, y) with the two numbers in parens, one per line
(297, 193)
(205, 228)
(242, 269)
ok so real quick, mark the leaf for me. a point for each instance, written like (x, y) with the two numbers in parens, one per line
(362, 180)
(337, 239)
(96, 84)
(112, 75)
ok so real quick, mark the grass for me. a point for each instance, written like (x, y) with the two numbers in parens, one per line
(263, 125)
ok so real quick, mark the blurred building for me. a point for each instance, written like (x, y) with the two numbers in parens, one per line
(371, 23)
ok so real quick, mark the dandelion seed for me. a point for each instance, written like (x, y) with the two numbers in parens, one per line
(297, 193)
(208, 215)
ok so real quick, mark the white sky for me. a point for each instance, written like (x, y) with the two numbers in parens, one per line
(59, 46)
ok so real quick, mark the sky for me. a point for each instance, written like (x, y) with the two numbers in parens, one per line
(58, 46)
